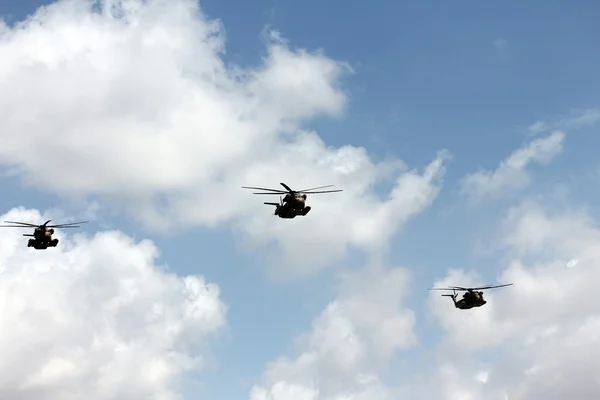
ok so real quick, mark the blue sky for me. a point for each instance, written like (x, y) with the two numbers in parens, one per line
(464, 76)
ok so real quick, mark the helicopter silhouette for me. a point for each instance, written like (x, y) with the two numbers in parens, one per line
(473, 297)
(42, 235)
(294, 202)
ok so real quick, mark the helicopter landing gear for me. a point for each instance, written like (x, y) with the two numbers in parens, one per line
(31, 243)
(54, 243)
(304, 211)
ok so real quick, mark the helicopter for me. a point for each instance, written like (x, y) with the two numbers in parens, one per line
(294, 202)
(42, 235)
(473, 297)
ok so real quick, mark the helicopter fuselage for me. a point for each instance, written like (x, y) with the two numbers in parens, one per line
(42, 244)
(44, 235)
(42, 239)
(289, 211)
(296, 201)
(467, 305)
(469, 300)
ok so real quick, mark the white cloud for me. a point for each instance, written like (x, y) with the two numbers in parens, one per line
(575, 119)
(349, 344)
(96, 318)
(135, 104)
(538, 127)
(354, 218)
(546, 325)
(511, 175)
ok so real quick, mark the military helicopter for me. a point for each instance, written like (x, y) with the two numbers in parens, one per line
(473, 297)
(294, 202)
(42, 235)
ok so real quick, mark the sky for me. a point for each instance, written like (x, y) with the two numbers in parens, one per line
(463, 135)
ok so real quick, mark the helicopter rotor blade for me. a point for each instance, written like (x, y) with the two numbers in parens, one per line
(275, 193)
(289, 190)
(324, 191)
(287, 187)
(69, 225)
(23, 224)
(491, 286)
(44, 225)
(453, 288)
(480, 287)
(266, 189)
(320, 187)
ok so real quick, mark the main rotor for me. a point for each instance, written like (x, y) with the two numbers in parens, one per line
(459, 288)
(16, 224)
(290, 191)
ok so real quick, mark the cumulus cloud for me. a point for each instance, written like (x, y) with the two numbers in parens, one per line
(512, 175)
(538, 127)
(575, 119)
(133, 102)
(349, 343)
(96, 318)
(354, 218)
(546, 326)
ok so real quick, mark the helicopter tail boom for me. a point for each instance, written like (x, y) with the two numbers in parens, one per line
(452, 296)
